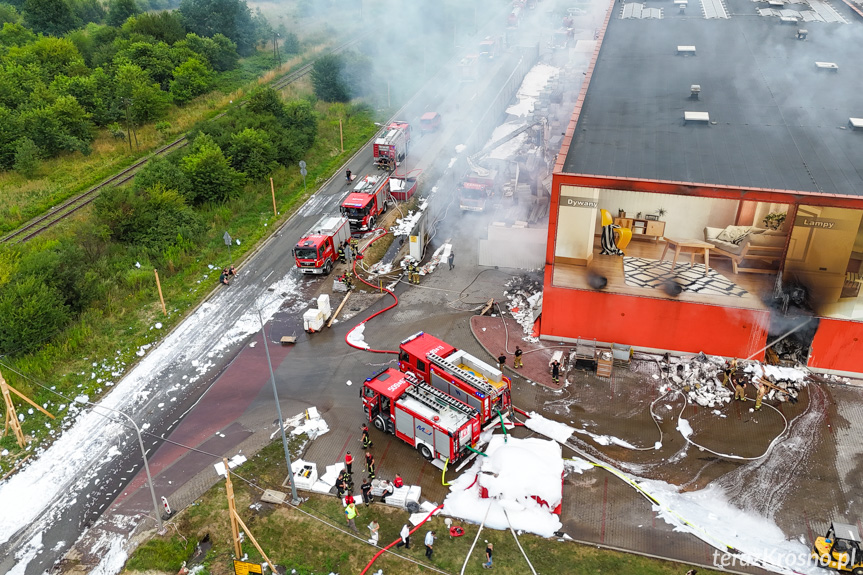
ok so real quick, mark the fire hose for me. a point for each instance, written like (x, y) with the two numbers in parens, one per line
(420, 524)
(391, 306)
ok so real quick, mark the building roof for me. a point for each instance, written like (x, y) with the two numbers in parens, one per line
(776, 119)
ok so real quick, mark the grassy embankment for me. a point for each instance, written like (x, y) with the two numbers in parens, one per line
(315, 540)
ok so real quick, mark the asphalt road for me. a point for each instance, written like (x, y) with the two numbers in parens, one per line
(199, 390)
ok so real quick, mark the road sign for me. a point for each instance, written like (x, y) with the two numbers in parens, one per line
(303, 171)
(228, 239)
(244, 568)
(302, 164)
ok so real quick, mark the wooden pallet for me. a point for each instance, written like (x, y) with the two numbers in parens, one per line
(604, 366)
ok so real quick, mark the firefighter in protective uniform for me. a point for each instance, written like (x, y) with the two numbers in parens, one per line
(342, 254)
(415, 272)
(762, 391)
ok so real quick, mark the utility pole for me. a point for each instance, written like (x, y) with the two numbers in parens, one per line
(294, 499)
(128, 123)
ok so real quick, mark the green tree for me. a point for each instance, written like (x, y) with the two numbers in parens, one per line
(253, 153)
(229, 17)
(145, 101)
(266, 101)
(88, 11)
(9, 134)
(301, 122)
(219, 50)
(18, 83)
(290, 43)
(16, 35)
(120, 10)
(31, 312)
(8, 13)
(151, 218)
(52, 56)
(61, 126)
(209, 173)
(52, 17)
(161, 171)
(163, 26)
(191, 78)
(26, 157)
(328, 79)
(154, 58)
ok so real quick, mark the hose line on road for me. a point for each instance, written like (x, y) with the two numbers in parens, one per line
(389, 307)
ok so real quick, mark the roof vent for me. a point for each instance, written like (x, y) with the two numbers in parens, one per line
(827, 66)
(801, 33)
(696, 117)
(686, 50)
(856, 123)
(694, 91)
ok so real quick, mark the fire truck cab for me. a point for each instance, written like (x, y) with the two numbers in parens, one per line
(488, 48)
(368, 200)
(475, 191)
(393, 146)
(316, 252)
(436, 424)
(457, 373)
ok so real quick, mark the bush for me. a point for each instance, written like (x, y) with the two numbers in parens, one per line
(26, 157)
(151, 219)
(328, 79)
(164, 129)
(31, 312)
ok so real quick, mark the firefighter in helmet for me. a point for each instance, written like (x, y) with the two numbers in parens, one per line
(342, 254)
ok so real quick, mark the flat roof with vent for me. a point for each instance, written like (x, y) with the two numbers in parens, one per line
(780, 122)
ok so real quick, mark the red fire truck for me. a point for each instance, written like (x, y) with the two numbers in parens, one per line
(437, 425)
(488, 48)
(457, 373)
(392, 147)
(368, 200)
(475, 191)
(316, 252)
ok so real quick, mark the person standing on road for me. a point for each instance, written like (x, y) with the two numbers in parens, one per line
(451, 258)
(762, 391)
(351, 513)
(489, 550)
(430, 537)
(367, 442)
(739, 385)
(501, 361)
(366, 488)
(370, 464)
(555, 371)
(405, 534)
(516, 362)
(349, 461)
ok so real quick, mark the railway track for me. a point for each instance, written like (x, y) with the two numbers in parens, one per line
(58, 213)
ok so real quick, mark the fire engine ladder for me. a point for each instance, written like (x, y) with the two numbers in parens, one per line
(474, 158)
(436, 399)
(454, 370)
